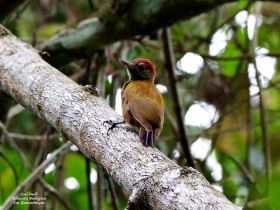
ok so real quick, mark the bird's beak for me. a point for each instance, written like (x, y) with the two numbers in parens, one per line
(129, 65)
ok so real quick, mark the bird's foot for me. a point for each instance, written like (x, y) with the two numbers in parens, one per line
(113, 124)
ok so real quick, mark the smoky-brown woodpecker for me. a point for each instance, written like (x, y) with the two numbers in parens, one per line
(142, 103)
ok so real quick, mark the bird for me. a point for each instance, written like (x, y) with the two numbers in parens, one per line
(142, 103)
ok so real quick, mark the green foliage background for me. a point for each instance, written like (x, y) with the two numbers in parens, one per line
(237, 138)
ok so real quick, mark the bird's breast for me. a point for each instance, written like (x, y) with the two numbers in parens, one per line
(141, 90)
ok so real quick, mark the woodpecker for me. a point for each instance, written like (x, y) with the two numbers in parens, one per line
(142, 103)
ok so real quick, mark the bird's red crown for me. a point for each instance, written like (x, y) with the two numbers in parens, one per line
(148, 63)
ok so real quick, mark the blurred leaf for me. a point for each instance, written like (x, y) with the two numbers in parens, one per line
(48, 30)
(230, 189)
(274, 192)
(135, 52)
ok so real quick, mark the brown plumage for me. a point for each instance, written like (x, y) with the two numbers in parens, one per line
(142, 103)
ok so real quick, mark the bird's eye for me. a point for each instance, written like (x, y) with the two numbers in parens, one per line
(141, 66)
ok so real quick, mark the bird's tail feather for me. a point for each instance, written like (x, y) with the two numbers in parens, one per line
(147, 138)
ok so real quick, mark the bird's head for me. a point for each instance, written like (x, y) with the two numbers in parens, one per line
(140, 69)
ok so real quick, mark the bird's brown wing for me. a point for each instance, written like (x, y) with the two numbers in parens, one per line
(146, 111)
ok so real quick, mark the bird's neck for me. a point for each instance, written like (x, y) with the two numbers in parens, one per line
(143, 80)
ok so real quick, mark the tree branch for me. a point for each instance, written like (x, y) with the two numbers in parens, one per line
(124, 20)
(263, 121)
(150, 178)
(170, 65)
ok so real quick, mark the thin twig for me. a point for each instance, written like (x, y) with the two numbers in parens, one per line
(231, 129)
(246, 173)
(244, 56)
(35, 174)
(59, 180)
(266, 149)
(214, 140)
(100, 188)
(14, 110)
(89, 185)
(43, 148)
(260, 202)
(114, 198)
(32, 137)
(169, 57)
(91, 5)
(16, 148)
(250, 130)
(11, 20)
(170, 119)
(56, 194)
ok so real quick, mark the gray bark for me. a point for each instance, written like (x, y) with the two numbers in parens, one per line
(152, 180)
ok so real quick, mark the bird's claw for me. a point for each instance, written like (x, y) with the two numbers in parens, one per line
(110, 122)
(113, 125)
